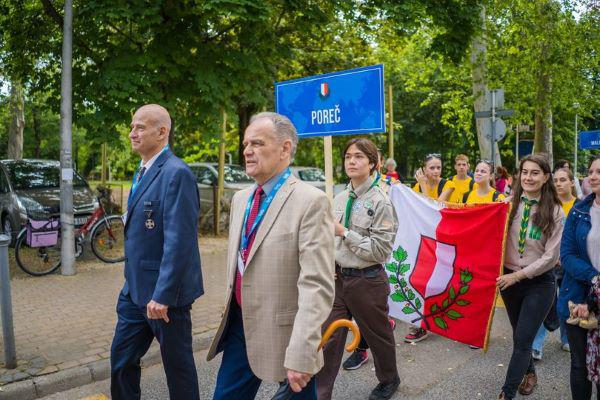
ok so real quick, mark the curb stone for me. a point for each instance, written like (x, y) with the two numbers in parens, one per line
(71, 378)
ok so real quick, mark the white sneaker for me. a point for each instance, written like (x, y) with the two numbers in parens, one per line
(536, 355)
(566, 347)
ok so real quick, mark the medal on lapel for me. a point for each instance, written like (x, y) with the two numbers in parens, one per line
(149, 221)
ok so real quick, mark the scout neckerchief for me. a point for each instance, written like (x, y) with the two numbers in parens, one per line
(525, 222)
(246, 234)
(352, 196)
(141, 171)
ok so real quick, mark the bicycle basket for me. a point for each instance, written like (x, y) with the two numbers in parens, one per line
(42, 233)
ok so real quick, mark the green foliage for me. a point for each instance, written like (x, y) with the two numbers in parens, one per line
(199, 58)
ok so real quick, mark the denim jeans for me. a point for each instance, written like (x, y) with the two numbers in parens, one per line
(527, 304)
(581, 387)
(538, 342)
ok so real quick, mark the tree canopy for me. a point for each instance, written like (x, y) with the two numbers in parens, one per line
(202, 58)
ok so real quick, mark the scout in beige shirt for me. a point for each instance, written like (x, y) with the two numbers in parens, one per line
(528, 285)
(365, 227)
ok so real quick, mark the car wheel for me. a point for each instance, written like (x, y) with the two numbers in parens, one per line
(7, 227)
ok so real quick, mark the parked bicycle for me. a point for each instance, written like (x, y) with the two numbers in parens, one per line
(37, 249)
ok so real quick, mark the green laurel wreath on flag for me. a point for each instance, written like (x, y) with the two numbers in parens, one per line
(412, 304)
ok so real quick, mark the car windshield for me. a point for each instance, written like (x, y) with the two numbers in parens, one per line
(311, 174)
(37, 174)
(236, 174)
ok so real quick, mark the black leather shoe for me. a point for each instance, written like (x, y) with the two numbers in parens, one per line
(384, 391)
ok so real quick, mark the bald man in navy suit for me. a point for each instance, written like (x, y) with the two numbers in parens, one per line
(162, 264)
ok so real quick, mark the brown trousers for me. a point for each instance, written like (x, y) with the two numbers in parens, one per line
(365, 300)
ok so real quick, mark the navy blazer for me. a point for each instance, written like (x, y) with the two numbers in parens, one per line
(574, 258)
(162, 259)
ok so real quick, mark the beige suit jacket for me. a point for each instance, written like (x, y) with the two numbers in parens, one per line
(288, 282)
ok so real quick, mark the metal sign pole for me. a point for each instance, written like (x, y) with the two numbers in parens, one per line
(391, 131)
(8, 332)
(493, 119)
(575, 150)
(328, 150)
(517, 149)
(67, 250)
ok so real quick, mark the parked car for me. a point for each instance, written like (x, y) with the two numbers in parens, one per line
(235, 179)
(311, 175)
(32, 187)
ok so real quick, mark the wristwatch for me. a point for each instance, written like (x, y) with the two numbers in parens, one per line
(346, 232)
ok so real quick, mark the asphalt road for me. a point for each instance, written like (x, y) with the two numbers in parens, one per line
(433, 369)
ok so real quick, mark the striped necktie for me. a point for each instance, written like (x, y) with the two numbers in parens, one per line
(245, 252)
(525, 223)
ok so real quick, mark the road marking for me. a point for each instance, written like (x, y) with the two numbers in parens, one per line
(96, 397)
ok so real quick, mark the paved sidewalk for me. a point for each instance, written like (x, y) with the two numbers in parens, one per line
(63, 322)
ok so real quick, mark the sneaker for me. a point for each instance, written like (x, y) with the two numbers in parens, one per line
(356, 359)
(566, 347)
(392, 323)
(416, 335)
(474, 347)
(384, 391)
(536, 355)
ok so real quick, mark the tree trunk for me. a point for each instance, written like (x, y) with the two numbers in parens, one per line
(479, 68)
(37, 130)
(244, 113)
(17, 112)
(543, 117)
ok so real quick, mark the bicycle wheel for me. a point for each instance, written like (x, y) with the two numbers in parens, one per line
(108, 239)
(36, 261)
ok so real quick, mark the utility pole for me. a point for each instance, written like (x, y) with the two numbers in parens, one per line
(495, 131)
(67, 249)
(575, 106)
(391, 131)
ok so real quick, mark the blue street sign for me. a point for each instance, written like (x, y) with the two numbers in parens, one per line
(589, 140)
(339, 103)
(525, 148)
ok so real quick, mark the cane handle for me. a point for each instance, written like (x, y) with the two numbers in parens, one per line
(342, 323)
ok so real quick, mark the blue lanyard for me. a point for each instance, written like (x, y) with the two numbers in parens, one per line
(135, 183)
(263, 209)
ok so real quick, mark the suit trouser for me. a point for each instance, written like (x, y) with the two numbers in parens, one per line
(134, 334)
(366, 300)
(235, 380)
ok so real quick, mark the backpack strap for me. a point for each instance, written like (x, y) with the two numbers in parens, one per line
(441, 186)
(466, 197)
(471, 184)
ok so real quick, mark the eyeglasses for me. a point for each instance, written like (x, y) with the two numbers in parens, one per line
(488, 162)
(433, 155)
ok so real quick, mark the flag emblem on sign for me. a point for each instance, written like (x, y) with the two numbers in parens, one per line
(444, 264)
(324, 92)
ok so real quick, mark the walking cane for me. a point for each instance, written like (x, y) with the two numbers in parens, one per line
(285, 392)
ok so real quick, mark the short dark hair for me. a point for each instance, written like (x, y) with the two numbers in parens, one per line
(367, 147)
(560, 164)
(592, 160)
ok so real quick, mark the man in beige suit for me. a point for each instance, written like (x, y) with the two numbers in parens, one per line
(280, 270)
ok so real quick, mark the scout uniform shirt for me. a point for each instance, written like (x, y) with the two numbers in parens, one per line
(372, 228)
(541, 252)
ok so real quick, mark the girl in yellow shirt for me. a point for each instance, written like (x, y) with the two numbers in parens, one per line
(483, 191)
(565, 187)
(430, 181)
(431, 184)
